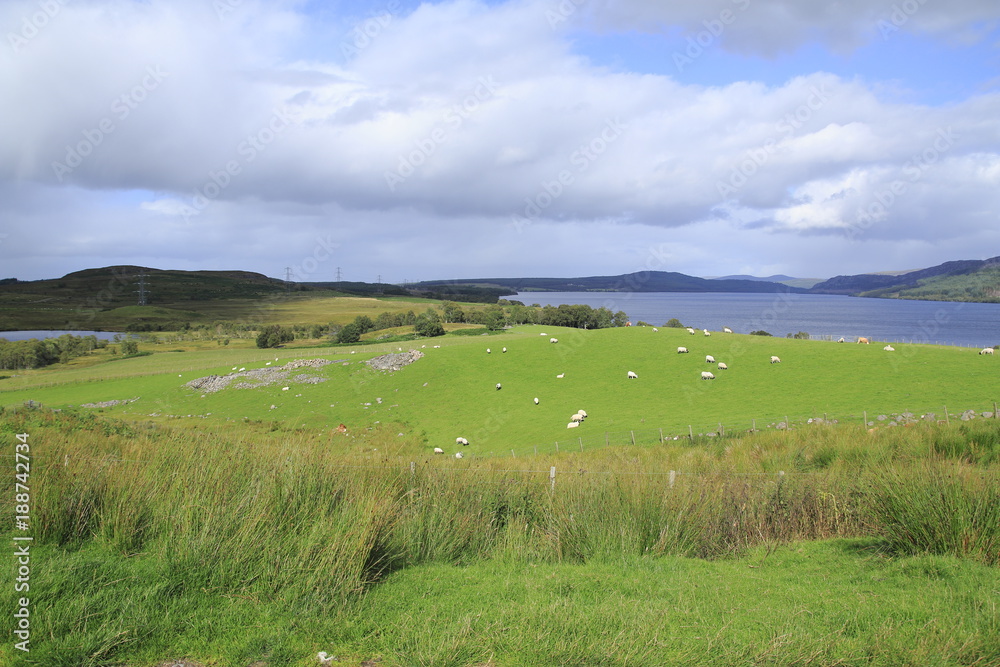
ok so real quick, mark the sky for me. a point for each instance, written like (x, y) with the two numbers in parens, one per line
(399, 141)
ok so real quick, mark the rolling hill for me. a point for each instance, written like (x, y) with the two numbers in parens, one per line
(962, 280)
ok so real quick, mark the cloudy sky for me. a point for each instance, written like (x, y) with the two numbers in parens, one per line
(474, 138)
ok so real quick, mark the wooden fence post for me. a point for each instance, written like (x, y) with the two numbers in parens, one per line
(512, 454)
(865, 413)
(722, 431)
(690, 432)
(673, 476)
(557, 446)
(552, 478)
(581, 444)
(947, 420)
(661, 430)
(632, 433)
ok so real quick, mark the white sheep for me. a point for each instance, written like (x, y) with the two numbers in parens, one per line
(487, 350)
(840, 340)
(986, 350)
(682, 350)
(536, 400)
(572, 424)
(709, 359)
(243, 369)
(726, 330)
(561, 376)
(504, 350)
(582, 413)
(553, 340)
(655, 329)
(498, 386)
(723, 366)
(889, 348)
(705, 375)
(234, 368)
(284, 389)
(458, 455)
(775, 360)
(461, 441)
(707, 332)
(268, 363)
(438, 450)
(690, 331)
(632, 375)
(576, 418)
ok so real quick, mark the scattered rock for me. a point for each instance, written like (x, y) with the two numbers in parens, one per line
(394, 361)
(261, 377)
(109, 404)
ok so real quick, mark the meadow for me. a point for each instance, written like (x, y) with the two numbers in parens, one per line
(248, 536)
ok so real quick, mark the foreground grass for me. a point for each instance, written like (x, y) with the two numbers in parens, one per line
(826, 546)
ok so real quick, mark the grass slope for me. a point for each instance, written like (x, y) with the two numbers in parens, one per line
(451, 392)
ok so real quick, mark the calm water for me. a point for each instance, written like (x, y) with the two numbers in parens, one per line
(821, 315)
(25, 335)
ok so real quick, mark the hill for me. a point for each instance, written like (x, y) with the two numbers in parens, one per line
(804, 283)
(962, 280)
(643, 281)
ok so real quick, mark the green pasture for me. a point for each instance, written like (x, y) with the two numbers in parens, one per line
(451, 391)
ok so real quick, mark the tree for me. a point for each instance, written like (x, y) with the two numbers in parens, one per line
(619, 319)
(759, 332)
(349, 333)
(674, 323)
(129, 347)
(274, 335)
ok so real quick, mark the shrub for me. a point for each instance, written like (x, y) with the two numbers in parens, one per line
(759, 332)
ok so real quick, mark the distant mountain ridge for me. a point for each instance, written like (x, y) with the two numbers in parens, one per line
(967, 280)
(642, 281)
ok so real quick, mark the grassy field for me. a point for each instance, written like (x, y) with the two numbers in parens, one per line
(451, 391)
(241, 546)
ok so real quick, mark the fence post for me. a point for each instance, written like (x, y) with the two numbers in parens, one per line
(512, 454)
(788, 425)
(557, 446)
(552, 477)
(994, 409)
(865, 413)
(690, 432)
(754, 427)
(581, 443)
(673, 476)
(661, 430)
(536, 450)
(947, 420)
(632, 433)
(722, 431)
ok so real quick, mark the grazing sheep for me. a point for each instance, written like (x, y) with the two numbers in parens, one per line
(560, 376)
(536, 400)
(986, 350)
(553, 340)
(864, 340)
(841, 340)
(709, 359)
(682, 350)
(572, 424)
(458, 455)
(632, 375)
(775, 360)
(726, 330)
(504, 350)
(498, 386)
(889, 348)
(268, 363)
(690, 331)
(234, 368)
(487, 350)
(723, 366)
(655, 329)
(705, 375)
(461, 441)
(707, 332)
(284, 389)
(438, 450)
(576, 418)
(582, 413)
(242, 369)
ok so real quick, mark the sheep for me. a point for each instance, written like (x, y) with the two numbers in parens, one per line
(572, 424)
(234, 368)
(504, 350)
(576, 418)
(723, 366)
(461, 441)
(864, 340)
(284, 389)
(889, 348)
(632, 375)
(841, 340)
(438, 450)
(707, 332)
(536, 400)
(775, 360)
(243, 369)
(268, 363)
(705, 375)
(561, 375)
(690, 331)
(487, 350)
(655, 329)
(682, 350)
(709, 359)
(458, 455)
(986, 350)
(553, 340)
(498, 386)
(582, 413)
(726, 330)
